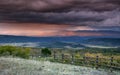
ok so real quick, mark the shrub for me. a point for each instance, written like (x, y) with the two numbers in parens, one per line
(14, 51)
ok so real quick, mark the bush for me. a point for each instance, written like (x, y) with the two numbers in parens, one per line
(46, 52)
(14, 51)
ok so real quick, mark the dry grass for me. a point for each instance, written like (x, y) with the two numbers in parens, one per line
(17, 66)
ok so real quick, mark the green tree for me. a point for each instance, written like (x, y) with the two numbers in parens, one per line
(46, 52)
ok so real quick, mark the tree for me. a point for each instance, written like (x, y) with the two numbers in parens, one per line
(46, 52)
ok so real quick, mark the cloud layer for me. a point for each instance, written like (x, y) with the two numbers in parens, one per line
(96, 14)
(50, 5)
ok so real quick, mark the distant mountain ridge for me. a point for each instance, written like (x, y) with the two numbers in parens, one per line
(9, 39)
(59, 42)
(104, 41)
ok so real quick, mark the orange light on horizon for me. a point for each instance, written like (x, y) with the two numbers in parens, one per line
(37, 29)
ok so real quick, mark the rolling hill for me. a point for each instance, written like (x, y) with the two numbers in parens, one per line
(59, 42)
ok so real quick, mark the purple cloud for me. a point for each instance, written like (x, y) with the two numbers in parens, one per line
(98, 14)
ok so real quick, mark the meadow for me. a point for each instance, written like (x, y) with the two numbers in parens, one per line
(49, 61)
(90, 57)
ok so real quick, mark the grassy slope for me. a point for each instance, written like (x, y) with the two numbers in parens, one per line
(17, 66)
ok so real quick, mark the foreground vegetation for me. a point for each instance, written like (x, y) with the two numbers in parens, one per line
(14, 51)
(18, 66)
(91, 57)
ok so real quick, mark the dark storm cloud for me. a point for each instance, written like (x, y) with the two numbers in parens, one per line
(99, 14)
(71, 17)
(57, 5)
(90, 18)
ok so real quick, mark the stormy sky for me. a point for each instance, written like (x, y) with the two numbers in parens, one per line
(60, 17)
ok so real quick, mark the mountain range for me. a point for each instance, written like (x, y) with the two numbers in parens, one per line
(60, 42)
